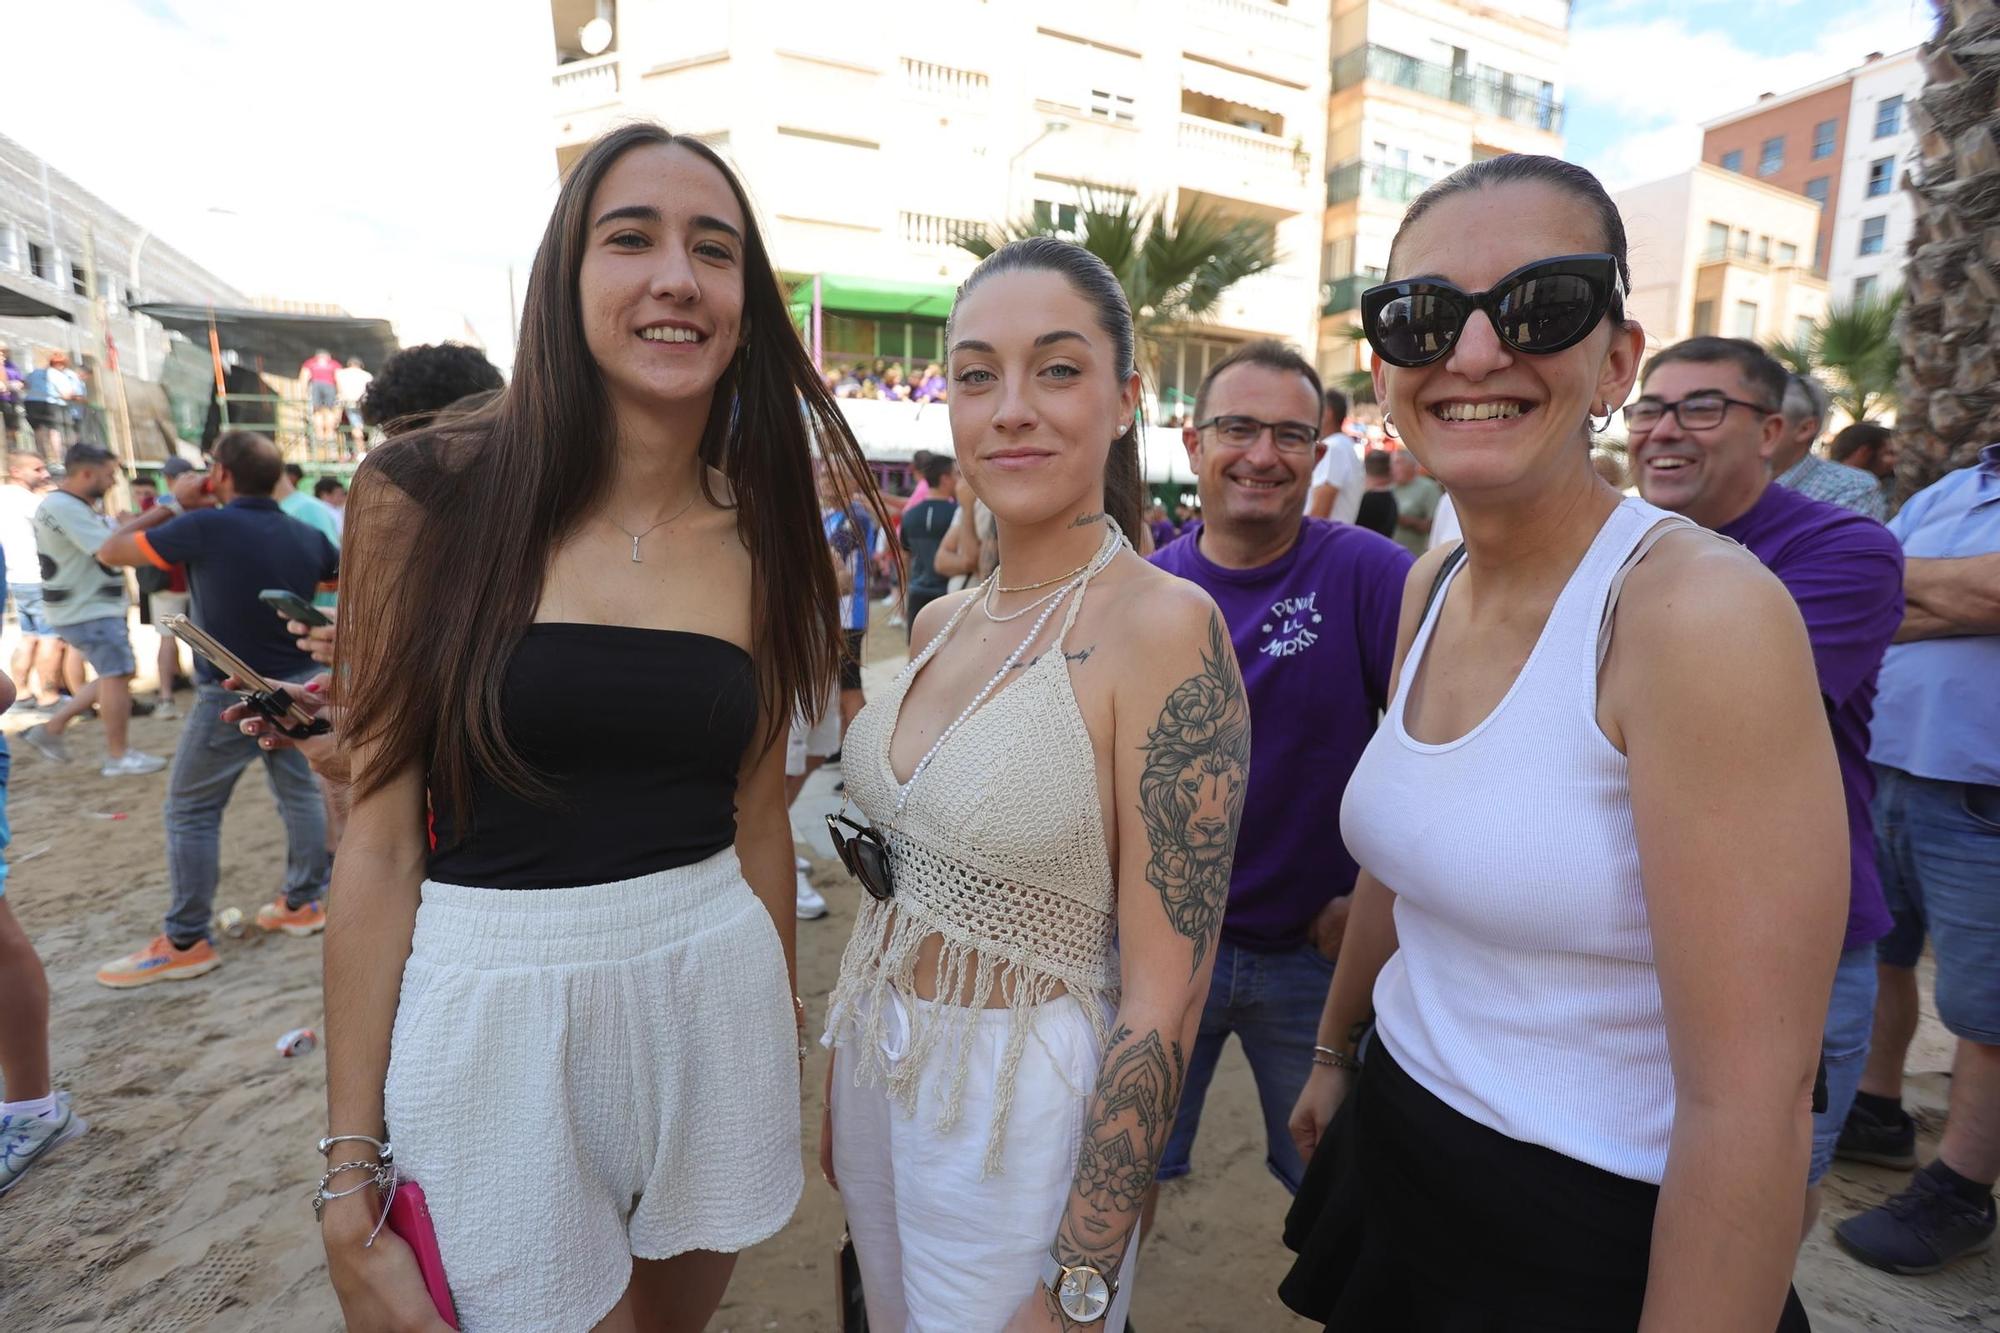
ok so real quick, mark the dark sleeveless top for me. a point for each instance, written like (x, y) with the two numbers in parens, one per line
(639, 734)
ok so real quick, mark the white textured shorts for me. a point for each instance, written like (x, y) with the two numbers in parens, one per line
(815, 738)
(581, 1076)
(941, 1249)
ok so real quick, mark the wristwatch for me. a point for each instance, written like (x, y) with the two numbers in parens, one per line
(1083, 1293)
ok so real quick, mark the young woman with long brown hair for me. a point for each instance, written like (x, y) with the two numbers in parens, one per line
(575, 623)
(1059, 766)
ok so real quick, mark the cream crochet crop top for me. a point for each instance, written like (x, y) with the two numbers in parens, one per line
(997, 846)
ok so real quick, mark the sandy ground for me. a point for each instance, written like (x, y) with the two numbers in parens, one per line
(185, 1207)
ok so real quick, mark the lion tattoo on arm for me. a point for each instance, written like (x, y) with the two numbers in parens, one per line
(1192, 789)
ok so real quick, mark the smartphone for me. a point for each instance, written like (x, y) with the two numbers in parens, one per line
(291, 605)
(284, 712)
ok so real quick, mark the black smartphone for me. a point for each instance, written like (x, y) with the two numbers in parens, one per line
(293, 606)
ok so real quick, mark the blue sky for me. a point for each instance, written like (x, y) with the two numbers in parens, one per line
(1644, 74)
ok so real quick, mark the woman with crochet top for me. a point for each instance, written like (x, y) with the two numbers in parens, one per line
(1052, 788)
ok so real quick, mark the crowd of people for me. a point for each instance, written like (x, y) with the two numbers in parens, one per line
(887, 380)
(1647, 803)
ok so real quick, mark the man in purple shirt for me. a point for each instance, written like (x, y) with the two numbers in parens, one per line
(1312, 609)
(1703, 432)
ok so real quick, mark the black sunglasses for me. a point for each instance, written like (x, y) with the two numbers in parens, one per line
(864, 854)
(1539, 308)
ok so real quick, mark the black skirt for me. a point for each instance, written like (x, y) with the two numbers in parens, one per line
(1416, 1219)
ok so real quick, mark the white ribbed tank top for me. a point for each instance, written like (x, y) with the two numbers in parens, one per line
(1522, 993)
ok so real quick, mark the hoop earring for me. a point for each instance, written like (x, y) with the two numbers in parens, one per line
(1591, 420)
(1389, 426)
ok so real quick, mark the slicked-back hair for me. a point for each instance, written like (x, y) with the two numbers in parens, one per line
(1272, 355)
(1761, 373)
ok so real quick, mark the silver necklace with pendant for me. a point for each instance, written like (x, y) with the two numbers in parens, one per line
(637, 537)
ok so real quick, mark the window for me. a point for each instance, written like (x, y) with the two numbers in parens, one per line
(1823, 139)
(1108, 105)
(1764, 248)
(77, 282)
(1704, 318)
(1743, 241)
(1733, 160)
(1864, 289)
(38, 261)
(1881, 172)
(1746, 319)
(1788, 254)
(1772, 160)
(1059, 218)
(1874, 231)
(1816, 190)
(10, 246)
(1718, 240)
(1888, 116)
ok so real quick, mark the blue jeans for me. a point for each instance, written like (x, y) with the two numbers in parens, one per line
(1938, 846)
(1272, 1002)
(1850, 1021)
(211, 755)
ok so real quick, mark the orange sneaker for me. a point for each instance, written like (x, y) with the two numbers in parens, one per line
(300, 921)
(159, 961)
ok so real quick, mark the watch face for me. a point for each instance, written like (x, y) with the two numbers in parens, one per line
(1083, 1295)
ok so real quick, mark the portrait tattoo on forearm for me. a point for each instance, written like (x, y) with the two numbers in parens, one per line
(1191, 791)
(1131, 1113)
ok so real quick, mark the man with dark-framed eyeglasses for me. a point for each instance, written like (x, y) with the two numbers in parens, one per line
(1704, 430)
(1312, 607)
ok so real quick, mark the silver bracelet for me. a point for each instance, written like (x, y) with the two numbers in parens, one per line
(1332, 1059)
(379, 1176)
(380, 1145)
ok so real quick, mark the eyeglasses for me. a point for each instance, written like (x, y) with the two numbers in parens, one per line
(1697, 411)
(865, 855)
(1238, 432)
(1539, 308)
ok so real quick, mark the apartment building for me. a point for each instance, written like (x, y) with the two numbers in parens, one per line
(1716, 252)
(1874, 216)
(1843, 143)
(1419, 88)
(870, 148)
(60, 245)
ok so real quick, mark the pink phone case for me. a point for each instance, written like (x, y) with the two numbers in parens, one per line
(410, 1218)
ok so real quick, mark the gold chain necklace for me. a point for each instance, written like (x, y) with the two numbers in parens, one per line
(1031, 587)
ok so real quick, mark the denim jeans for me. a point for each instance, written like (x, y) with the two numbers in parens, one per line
(1272, 1002)
(1938, 844)
(1843, 1049)
(211, 755)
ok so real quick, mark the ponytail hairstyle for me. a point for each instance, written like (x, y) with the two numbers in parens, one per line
(1092, 279)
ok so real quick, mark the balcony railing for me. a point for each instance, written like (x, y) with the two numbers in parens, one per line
(931, 229)
(1396, 185)
(586, 83)
(1273, 23)
(1261, 153)
(1343, 294)
(1494, 97)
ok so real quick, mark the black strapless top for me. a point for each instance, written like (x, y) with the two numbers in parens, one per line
(639, 733)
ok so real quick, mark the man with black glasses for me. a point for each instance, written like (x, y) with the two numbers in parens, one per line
(1704, 429)
(1312, 609)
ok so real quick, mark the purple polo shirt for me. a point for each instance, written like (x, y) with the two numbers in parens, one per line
(1315, 637)
(1845, 571)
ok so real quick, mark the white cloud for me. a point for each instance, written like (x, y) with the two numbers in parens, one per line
(1661, 78)
(383, 155)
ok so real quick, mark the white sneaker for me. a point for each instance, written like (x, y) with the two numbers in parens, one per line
(802, 864)
(811, 906)
(132, 763)
(166, 711)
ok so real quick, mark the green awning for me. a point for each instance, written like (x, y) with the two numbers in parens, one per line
(873, 296)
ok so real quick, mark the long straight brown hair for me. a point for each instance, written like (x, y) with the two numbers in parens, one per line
(452, 526)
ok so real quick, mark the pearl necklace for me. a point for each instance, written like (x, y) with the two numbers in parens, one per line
(1112, 541)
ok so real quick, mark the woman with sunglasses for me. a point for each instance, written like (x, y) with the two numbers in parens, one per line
(560, 972)
(1603, 880)
(1060, 766)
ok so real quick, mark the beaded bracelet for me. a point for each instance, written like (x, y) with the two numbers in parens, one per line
(1332, 1059)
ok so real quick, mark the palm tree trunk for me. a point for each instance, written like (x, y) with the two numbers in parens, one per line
(1950, 383)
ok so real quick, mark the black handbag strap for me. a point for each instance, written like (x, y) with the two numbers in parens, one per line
(1451, 562)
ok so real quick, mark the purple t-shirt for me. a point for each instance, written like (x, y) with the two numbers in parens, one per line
(1845, 572)
(1315, 637)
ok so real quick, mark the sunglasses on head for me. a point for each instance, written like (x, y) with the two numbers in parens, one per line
(864, 854)
(1539, 308)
